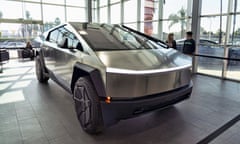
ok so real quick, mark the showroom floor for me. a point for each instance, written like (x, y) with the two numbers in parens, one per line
(33, 113)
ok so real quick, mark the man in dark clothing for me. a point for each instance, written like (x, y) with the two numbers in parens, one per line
(189, 44)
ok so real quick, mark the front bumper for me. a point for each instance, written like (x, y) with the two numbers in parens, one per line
(123, 109)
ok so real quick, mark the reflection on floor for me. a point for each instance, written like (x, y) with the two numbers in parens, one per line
(33, 113)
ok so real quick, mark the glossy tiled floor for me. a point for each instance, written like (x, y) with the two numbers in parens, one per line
(32, 113)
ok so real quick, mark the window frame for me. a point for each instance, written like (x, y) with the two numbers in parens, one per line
(74, 38)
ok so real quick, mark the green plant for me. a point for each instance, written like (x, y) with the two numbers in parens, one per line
(180, 17)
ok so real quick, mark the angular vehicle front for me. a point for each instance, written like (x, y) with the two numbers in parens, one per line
(141, 73)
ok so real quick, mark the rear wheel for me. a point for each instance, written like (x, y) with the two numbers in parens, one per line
(42, 78)
(87, 106)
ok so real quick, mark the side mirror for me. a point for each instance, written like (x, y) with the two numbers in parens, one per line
(79, 46)
(63, 43)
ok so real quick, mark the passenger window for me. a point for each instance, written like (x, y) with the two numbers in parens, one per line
(65, 39)
(70, 41)
(73, 42)
(53, 36)
(63, 33)
(79, 46)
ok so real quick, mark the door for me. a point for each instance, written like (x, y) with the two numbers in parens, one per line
(68, 52)
(49, 49)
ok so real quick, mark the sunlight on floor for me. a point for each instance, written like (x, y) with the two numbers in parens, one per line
(9, 78)
(27, 77)
(13, 96)
(4, 85)
(233, 75)
(21, 84)
(15, 78)
(230, 74)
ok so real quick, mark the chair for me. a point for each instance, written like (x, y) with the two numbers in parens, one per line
(25, 53)
(4, 56)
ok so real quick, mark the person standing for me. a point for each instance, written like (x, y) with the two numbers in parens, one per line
(171, 42)
(29, 46)
(189, 45)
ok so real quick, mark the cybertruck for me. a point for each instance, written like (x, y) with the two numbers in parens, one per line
(112, 71)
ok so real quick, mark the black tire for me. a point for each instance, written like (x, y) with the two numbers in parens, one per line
(42, 78)
(87, 106)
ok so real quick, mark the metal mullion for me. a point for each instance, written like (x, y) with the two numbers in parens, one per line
(89, 10)
(122, 11)
(109, 12)
(196, 21)
(226, 48)
(215, 15)
(160, 17)
(139, 15)
(65, 10)
(41, 5)
(98, 11)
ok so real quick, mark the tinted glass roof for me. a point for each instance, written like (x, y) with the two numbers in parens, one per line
(103, 37)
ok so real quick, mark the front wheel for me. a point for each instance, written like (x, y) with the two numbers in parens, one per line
(87, 106)
(42, 78)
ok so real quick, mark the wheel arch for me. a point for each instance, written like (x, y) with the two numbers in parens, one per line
(81, 70)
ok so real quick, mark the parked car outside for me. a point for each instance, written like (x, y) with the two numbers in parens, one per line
(211, 48)
(36, 42)
(206, 47)
(13, 45)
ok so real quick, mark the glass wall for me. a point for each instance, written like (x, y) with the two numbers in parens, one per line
(7, 7)
(103, 15)
(219, 31)
(51, 18)
(214, 7)
(76, 14)
(165, 15)
(219, 36)
(47, 12)
(115, 13)
(130, 11)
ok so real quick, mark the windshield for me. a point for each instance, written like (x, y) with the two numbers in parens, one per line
(115, 37)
